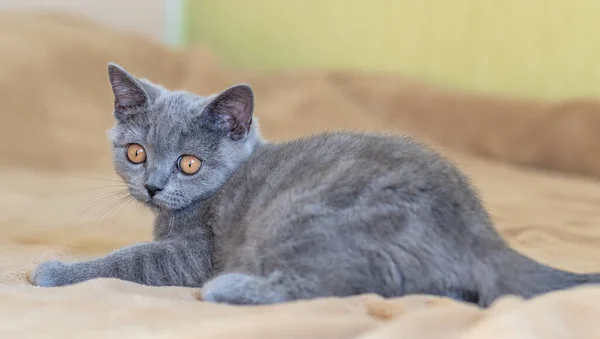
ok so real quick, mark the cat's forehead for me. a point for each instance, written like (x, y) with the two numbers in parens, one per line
(170, 122)
(173, 123)
(177, 106)
(174, 112)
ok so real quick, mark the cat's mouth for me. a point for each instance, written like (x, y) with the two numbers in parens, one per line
(156, 203)
(151, 202)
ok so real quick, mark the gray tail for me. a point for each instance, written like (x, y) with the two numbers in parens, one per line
(516, 274)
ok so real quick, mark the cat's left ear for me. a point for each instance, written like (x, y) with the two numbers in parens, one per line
(233, 109)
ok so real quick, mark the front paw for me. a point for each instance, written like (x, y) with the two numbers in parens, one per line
(50, 274)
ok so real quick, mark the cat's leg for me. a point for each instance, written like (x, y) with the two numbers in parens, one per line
(242, 289)
(248, 289)
(160, 263)
(462, 295)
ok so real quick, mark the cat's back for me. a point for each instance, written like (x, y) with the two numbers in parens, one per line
(310, 154)
(350, 157)
(343, 186)
(339, 168)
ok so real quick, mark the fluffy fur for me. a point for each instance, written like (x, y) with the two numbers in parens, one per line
(335, 214)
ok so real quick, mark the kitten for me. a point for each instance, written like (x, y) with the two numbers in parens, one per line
(336, 214)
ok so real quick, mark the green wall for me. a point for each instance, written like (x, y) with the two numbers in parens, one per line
(534, 48)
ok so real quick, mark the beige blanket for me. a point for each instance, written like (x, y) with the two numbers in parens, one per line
(55, 106)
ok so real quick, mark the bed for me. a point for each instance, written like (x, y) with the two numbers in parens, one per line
(535, 164)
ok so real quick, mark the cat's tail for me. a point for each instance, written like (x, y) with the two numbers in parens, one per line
(515, 274)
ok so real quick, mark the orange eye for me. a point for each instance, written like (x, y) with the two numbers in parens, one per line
(189, 164)
(136, 153)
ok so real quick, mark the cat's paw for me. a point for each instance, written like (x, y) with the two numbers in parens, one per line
(50, 274)
(241, 289)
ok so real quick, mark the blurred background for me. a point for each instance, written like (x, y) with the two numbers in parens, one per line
(507, 80)
(535, 48)
(538, 48)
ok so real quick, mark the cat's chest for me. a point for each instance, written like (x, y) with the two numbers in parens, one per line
(176, 225)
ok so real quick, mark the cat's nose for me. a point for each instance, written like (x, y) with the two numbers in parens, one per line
(152, 190)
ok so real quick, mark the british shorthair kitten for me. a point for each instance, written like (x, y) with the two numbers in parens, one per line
(335, 214)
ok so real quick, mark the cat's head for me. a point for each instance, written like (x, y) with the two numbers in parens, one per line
(174, 148)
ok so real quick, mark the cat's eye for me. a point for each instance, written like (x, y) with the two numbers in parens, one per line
(136, 153)
(189, 164)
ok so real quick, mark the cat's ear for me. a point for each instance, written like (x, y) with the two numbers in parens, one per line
(233, 110)
(128, 92)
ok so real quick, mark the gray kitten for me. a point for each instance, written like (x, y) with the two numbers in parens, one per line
(336, 214)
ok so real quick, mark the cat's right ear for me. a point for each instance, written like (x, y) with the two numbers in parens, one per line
(129, 94)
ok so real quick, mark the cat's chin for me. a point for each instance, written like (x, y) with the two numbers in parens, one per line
(162, 207)
(155, 204)
(158, 207)
(154, 207)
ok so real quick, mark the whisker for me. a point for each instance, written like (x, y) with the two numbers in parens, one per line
(98, 201)
(91, 189)
(106, 196)
(95, 178)
(121, 210)
(111, 208)
(171, 222)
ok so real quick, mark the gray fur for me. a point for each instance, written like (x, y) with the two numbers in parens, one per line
(335, 214)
